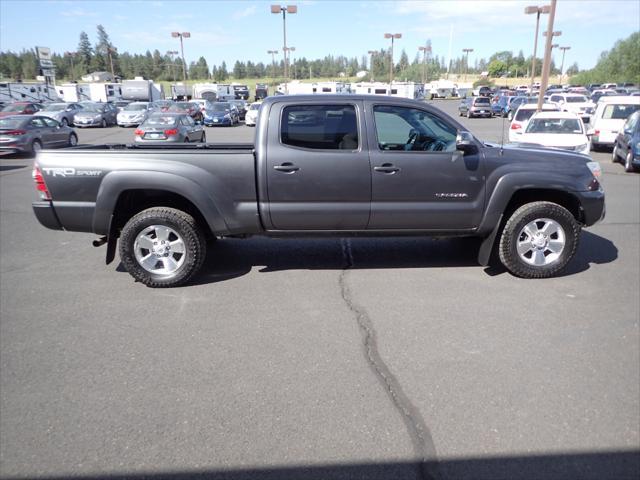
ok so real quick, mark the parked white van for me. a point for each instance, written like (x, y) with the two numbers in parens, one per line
(610, 115)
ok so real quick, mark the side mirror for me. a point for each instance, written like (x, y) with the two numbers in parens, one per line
(465, 142)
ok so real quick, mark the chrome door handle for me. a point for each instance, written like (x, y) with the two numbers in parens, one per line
(386, 168)
(286, 167)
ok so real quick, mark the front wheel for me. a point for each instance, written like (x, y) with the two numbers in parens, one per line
(73, 140)
(203, 139)
(64, 122)
(614, 154)
(162, 247)
(628, 162)
(538, 240)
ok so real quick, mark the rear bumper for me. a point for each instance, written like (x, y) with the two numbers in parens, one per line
(46, 215)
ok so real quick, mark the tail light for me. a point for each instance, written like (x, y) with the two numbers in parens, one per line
(41, 187)
(596, 133)
(139, 132)
(173, 131)
(515, 126)
(15, 132)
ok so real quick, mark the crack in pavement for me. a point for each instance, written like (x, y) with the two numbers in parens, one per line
(421, 439)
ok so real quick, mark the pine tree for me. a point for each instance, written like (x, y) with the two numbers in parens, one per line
(85, 51)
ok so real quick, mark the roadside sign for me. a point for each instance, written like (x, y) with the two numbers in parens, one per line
(44, 56)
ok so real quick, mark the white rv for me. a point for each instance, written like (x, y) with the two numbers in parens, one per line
(213, 91)
(141, 90)
(105, 92)
(439, 89)
(410, 90)
(304, 88)
(27, 92)
(74, 92)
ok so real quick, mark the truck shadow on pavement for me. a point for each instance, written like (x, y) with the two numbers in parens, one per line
(614, 465)
(231, 258)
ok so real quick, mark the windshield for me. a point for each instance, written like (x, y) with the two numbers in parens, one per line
(135, 107)
(93, 108)
(180, 106)
(217, 106)
(55, 107)
(619, 112)
(580, 99)
(11, 122)
(14, 108)
(554, 125)
(161, 120)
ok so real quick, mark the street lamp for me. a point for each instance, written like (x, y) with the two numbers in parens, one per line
(546, 65)
(466, 62)
(276, 9)
(273, 64)
(111, 50)
(538, 11)
(292, 49)
(425, 50)
(71, 55)
(171, 54)
(372, 53)
(564, 50)
(392, 36)
(182, 35)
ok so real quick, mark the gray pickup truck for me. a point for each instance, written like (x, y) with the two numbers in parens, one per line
(323, 165)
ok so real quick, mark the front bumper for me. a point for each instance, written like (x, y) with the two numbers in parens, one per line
(87, 122)
(214, 122)
(593, 206)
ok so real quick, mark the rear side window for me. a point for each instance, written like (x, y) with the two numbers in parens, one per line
(481, 101)
(524, 114)
(320, 127)
(619, 112)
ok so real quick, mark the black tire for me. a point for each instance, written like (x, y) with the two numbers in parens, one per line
(628, 162)
(103, 124)
(36, 146)
(203, 139)
(510, 115)
(64, 122)
(469, 114)
(614, 153)
(184, 225)
(73, 140)
(594, 147)
(186, 140)
(513, 230)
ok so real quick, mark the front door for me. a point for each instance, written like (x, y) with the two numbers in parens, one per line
(318, 173)
(419, 179)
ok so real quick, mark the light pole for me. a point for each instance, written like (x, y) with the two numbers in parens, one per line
(276, 9)
(171, 53)
(372, 53)
(291, 49)
(544, 81)
(273, 64)
(71, 55)
(538, 11)
(425, 51)
(392, 36)
(182, 35)
(111, 50)
(466, 62)
(564, 50)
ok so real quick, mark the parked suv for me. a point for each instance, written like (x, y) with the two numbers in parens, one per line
(627, 144)
(475, 107)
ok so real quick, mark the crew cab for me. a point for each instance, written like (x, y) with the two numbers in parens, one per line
(336, 165)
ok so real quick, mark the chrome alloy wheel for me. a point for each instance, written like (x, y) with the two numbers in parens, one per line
(159, 250)
(541, 242)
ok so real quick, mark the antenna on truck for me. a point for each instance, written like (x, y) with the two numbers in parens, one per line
(502, 135)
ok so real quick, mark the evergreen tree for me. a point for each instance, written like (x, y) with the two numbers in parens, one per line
(85, 51)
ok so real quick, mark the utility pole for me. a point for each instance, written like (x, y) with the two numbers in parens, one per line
(425, 51)
(71, 55)
(538, 11)
(276, 9)
(392, 36)
(111, 50)
(182, 35)
(547, 55)
(273, 65)
(564, 50)
(466, 62)
(372, 53)
(171, 53)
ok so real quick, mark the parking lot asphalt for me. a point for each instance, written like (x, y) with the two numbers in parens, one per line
(318, 358)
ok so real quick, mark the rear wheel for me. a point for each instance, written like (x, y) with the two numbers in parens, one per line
(468, 113)
(73, 140)
(628, 162)
(186, 140)
(614, 154)
(64, 122)
(103, 124)
(510, 115)
(162, 247)
(538, 240)
(204, 137)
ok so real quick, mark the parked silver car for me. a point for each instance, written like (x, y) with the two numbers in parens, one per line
(168, 127)
(134, 114)
(31, 133)
(61, 112)
(96, 115)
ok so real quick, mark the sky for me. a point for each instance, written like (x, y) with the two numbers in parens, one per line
(245, 29)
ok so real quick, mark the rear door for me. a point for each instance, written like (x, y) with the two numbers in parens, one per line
(54, 134)
(318, 173)
(419, 179)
